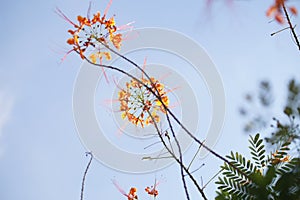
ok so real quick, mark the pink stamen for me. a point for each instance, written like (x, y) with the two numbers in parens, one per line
(126, 26)
(102, 68)
(62, 15)
(118, 187)
(144, 66)
(171, 90)
(117, 85)
(120, 130)
(65, 56)
(107, 8)
(130, 36)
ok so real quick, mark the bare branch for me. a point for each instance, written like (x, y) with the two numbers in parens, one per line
(85, 173)
(291, 25)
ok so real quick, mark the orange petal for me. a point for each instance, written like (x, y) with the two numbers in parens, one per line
(71, 32)
(116, 40)
(71, 41)
(93, 58)
(107, 55)
(96, 18)
(76, 39)
(80, 18)
(271, 10)
(294, 10)
(81, 53)
(279, 18)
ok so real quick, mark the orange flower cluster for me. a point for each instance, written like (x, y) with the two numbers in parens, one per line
(276, 10)
(95, 33)
(151, 191)
(138, 104)
(132, 194)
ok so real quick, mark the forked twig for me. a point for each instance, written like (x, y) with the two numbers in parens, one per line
(180, 162)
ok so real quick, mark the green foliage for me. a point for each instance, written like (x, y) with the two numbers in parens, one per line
(263, 177)
(257, 151)
(262, 101)
(288, 132)
(285, 129)
(293, 99)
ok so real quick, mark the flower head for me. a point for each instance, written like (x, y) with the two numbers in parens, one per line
(131, 194)
(151, 191)
(94, 35)
(139, 105)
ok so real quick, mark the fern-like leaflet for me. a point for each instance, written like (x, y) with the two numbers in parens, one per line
(258, 178)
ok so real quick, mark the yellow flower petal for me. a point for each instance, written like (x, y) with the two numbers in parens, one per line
(93, 58)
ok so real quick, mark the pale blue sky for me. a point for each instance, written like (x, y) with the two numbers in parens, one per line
(41, 156)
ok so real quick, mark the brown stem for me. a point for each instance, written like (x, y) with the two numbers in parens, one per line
(180, 157)
(180, 162)
(290, 25)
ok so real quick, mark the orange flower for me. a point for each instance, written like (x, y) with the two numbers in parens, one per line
(83, 21)
(71, 41)
(97, 18)
(279, 18)
(132, 192)
(276, 11)
(293, 10)
(93, 34)
(110, 23)
(152, 191)
(71, 32)
(99, 55)
(271, 10)
(116, 40)
(139, 105)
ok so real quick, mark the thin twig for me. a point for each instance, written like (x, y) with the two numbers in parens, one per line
(156, 158)
(197, 169)
(85, 173)
(179, 150)
(195, 156)
(272, 34)
(178, 161)
(212, 178)
(290, 25)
